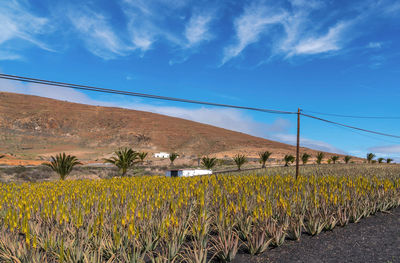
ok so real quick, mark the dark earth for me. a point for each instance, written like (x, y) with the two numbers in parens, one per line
(374, 239)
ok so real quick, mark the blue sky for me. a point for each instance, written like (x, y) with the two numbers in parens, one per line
(328, 56)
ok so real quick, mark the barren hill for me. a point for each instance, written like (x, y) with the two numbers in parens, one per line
(33, 127)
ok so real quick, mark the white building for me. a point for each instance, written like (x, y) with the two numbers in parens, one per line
(187, 172)
(161, 155)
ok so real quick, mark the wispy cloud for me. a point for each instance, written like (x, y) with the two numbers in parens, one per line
(254, 22)
(288, 31)
(386, 149)
(20, 24)
(9, 55)
(97, 33)
(282, 29)
(225, 118)
(57, 93)
(197, 30)
(331, 41)
(306, 142)
(148, 21)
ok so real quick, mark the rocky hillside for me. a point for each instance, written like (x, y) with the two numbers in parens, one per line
(33, 127)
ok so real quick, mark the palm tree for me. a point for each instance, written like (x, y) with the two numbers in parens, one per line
(62, 164)
(208, 162)
(142, 156)
(240, 159)
(389, 160)
(305, 157)
(264, 156)
(347, 159)
(125, 159)
(172, 157)
(320, 156)
(380, 160)
(370, 157)
(334, 158)
(288, 159)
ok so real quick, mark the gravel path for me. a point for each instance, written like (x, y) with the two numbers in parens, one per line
(374, 239)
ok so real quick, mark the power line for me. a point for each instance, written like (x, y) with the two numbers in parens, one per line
(356, 117)
(351, 127)
(134, 94)
(380, 139)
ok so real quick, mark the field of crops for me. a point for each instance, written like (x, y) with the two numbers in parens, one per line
(158, 219)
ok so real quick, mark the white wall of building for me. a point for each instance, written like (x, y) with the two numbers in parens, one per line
(161, 155)
(189, 172)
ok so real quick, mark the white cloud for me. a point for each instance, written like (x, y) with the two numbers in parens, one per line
(284, 28)
(331, 41)
(290, 31)
(249, 27)
(197, 30)
(18, 23)
(306, 142)
(226, 118)
(142, 39)
(148, 20)
(388, 149)
(48, 92)
(98, 34)
(9, 55)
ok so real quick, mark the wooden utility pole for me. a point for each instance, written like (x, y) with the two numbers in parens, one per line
(298, 144)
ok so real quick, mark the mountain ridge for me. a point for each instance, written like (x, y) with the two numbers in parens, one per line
(33, 127)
